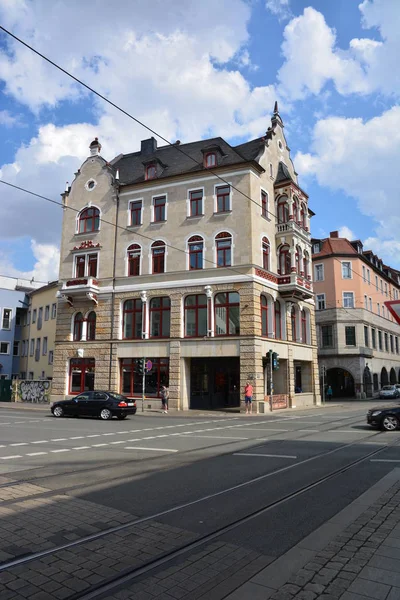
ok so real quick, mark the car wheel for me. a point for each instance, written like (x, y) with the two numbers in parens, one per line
(121, 417)
(390, 423)
(105, 414)
(58, 411)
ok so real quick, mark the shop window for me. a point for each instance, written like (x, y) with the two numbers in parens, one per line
(81, 375)
(131, 378)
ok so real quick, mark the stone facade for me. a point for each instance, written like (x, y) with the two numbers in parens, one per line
(103, 284)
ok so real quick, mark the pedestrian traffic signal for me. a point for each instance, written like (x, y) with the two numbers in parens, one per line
(275, 361)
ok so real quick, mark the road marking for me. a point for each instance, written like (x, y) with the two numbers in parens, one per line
(41, 442)
(309, 431)
(58, 440)
(36, 453)
(20, 444)
(347, 431)
(150, 449)
(212, 437)
(61, 450)
(264, 455)
(8, 457)
(264, 429)
(99, 445)
(389, 460)
(94, 435)
(77, 437)
(120, 442)
(80, 448)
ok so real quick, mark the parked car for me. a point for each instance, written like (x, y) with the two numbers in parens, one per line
(105, 405)
(389, 391)
(387, 418)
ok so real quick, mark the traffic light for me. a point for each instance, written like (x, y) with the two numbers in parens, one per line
(140, 366)
(275, 361)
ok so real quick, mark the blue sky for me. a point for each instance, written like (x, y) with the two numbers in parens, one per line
(333, 67)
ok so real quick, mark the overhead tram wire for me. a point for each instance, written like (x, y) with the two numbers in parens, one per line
(139, 122)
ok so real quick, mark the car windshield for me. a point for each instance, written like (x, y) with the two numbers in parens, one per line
(390, 388)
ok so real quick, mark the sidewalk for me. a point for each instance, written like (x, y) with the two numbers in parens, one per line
(353, 556)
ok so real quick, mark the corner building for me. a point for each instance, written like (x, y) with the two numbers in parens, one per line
(196, 257)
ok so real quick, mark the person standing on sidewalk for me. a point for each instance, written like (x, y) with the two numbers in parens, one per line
(164, 398)
(329, 393)
(248, 397)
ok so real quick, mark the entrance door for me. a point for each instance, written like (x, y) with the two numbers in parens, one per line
(214, 383)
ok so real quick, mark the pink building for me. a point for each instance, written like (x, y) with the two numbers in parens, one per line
(358, 337)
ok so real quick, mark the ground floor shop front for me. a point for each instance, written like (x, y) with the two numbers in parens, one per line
(209, 375)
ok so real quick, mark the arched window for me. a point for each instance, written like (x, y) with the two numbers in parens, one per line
(303, 216)
(78, 327)
(91, 326)
(293, 318)
(134, 252)
(196, 315)
(160, 317)
(210, 160)
(295, 211)
(132, 319)
(89, 220)
(266, 253)
(151, 171)
(278, 322)
(223, 242)
(196, 249)
(298, 260)
(283, 210)
(158, 257)
(304, 335)
(306, 265)
(264, 316)
(227, 313)
(284, 260)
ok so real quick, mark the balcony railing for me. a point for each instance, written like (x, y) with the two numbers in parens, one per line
(292, 227)
(81, 284)
(295, 284)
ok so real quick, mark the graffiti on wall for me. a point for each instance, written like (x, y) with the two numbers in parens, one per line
(34, 391)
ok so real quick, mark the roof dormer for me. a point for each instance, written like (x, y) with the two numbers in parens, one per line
(212, 156)
(153, 168)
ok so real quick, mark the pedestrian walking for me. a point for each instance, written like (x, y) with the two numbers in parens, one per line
(248, 397)
(164, 393)
(329, 393)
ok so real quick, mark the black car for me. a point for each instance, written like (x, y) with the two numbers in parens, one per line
(105, 405)
(386, 417)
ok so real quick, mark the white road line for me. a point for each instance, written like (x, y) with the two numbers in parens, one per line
(61, 450)
(389, 460)
(310, 431)
(264, 455)
(265, 429)
(41, 442)
(214, 437)
(36, 453)
(20, 444)
(120, 442)
(92, 436)
(8, 457)
(80, 448)
(99, 445)
(346, 431)
(112, 433)
(150, 449)
(2, 446)
(77, 437)
(58, 440)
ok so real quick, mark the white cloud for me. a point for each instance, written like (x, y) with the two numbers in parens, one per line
(280, 8)
(346, 232)
(360, 158)
(389, 249)
(9, 120)
(313, 57)
(47, 259)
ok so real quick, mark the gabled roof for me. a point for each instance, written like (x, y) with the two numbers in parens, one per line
(283, 174)
(335, 246)
(183, 158)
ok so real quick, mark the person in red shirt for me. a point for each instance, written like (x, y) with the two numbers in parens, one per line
(248, 397)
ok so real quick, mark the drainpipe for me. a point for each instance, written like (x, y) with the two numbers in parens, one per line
(116, 186)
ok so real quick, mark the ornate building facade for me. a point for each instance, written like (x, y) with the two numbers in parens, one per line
(195, 257)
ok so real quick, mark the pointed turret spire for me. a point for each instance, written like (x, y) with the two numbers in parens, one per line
(276, 111)
(276, 117)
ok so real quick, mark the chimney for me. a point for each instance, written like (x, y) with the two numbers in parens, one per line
(334, 234)
(148, 147)
(95, 147)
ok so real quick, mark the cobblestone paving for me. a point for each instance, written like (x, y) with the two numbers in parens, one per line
(363, 562)
(35, 524)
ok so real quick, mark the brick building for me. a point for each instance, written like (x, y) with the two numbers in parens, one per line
(197, 257)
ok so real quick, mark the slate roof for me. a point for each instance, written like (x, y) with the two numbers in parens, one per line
(176, 161)
(283, 174)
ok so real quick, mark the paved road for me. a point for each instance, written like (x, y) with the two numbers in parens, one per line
(61, 479)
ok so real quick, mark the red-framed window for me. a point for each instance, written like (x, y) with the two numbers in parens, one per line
(264, 204)
(295, 211)
(151, 171)
(227, 313)
(303, 216)
(91, 326)
(160, 317)
(293, 318)
(266, 253)
(196, 315)
(264, 316)
(278, 322)
(132, 319)
(304, 327)
(81, 375)
(196, 203)
(89, 220)
(298, 262)
(306, 264)
(283, 210)
(223, 242)
(80, 263)
(78, 327)
(134, 254)
(159, 207)
(223, 198)
(136, 212)
(210, 160)
(92, 265)
(196, 249)
(284, 261)
(131, 378)
(158, 257)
